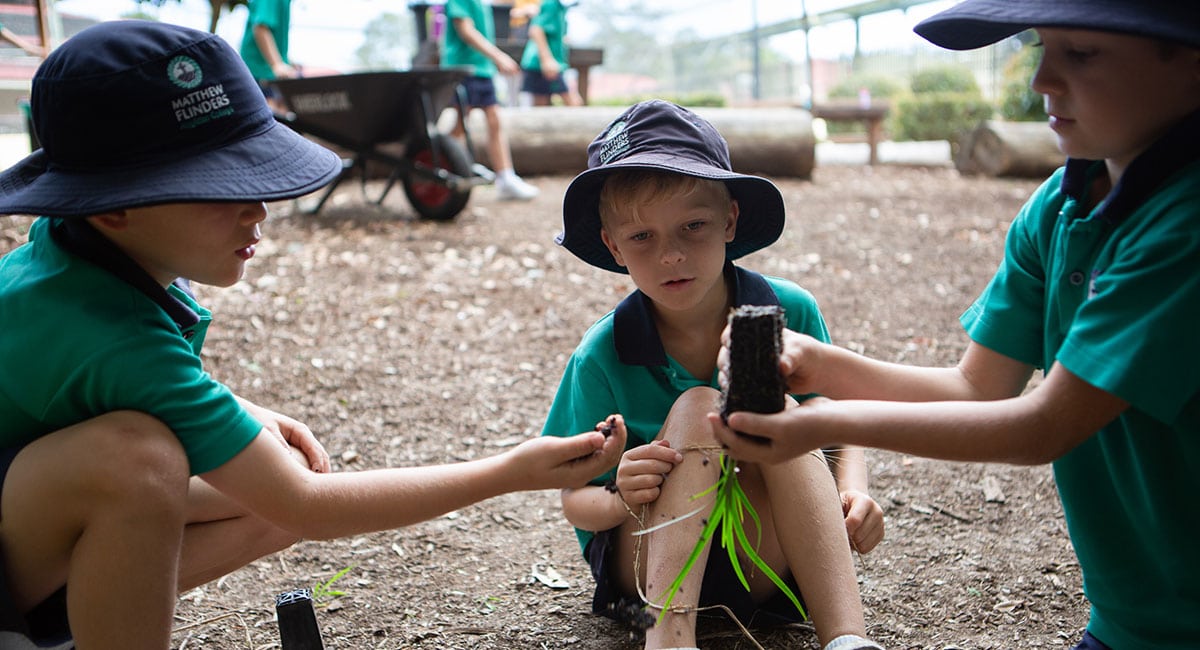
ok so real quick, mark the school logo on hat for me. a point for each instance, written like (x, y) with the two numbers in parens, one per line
(616, 142)
(185, 72)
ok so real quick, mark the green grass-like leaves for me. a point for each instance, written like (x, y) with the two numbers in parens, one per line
(730, 508)
(325, 591)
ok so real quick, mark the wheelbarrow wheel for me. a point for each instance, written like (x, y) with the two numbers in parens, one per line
(431, 198)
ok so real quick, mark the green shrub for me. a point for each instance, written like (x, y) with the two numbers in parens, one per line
(940, 115)
(1019, 102)
(880, 87)
(944, 79)
(688, 100)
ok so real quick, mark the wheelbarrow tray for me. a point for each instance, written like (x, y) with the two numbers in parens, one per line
(369, 113)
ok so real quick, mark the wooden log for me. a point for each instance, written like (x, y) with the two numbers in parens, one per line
(553, 139)
(1010, 149)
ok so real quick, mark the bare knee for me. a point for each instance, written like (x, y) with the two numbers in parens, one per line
(687, 422)
(134, 456)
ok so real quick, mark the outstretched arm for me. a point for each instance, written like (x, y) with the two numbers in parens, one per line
(811, 366)
(1033, 428)
(324, 506)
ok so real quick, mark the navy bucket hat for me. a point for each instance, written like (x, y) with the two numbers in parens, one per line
(133, 113)
(659, 135)
(976, 23)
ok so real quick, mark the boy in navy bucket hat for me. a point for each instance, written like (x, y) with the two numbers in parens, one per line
(1099, 288)
(660, 202)
(127, 472)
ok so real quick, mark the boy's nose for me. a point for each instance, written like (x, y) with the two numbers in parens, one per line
(254, 212)
(672, 252)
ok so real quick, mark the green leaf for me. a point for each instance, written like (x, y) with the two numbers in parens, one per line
(730, 507)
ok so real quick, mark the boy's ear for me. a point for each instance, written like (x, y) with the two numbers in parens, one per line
(114, 220)
(731, 223)
(608, 242)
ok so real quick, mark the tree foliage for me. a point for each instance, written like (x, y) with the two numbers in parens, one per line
(389, 42)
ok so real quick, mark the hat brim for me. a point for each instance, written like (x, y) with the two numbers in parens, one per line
(760, 207)
(978, 23)
(273, 164)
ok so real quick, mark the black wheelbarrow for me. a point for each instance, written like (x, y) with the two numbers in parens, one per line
(390, 118)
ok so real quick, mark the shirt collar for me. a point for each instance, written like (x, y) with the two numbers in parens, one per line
(1174, 151)
(636, 337)
(80, 238)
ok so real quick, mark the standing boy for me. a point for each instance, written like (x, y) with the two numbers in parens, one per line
(659, 201)
(470, 41)
(127, 473)
(545, 57)
(1100, 288)
(265, 45)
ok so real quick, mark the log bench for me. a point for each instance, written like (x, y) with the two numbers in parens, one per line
(871, 117)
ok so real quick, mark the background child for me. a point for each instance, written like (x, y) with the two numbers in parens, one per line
(660, 202)
(1100, 287)
(470, 41)
(265, 46)
(545, 57)
(127, 472)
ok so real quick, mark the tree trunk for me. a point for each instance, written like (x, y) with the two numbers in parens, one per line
(554, 139)
(1011, 149)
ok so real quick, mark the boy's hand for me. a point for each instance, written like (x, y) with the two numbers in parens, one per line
(551, 69)
(642, 471)
(768, 439)
(552, 462)
(507, 65)
(864, 520)
(798, 361)
(293, 433)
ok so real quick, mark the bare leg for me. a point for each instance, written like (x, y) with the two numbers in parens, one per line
(100, 507)
(665, 551)
(807, 516)
(221, 536)
(498, 151)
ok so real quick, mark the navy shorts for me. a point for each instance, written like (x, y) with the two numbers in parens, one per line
(46, 623)
(1090, 642)
(720, 586)
(481, 92)
(536, 83)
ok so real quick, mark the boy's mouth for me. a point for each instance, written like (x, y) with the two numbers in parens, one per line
(677, 283)
(247, 251)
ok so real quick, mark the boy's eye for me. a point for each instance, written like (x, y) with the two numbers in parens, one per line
(639, 236)
(694, 225)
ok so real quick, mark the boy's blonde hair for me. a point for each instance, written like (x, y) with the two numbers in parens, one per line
(626, 192)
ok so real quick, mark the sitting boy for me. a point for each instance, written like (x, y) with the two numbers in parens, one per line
(127, 473)
(659, 201)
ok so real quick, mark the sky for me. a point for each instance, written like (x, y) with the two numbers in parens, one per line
(325, 33)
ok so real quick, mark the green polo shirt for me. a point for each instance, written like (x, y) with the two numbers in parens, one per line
(552, 18)
(1114, 296)
(276, 15)
(620, 366)
(456, 52)
(84, 337)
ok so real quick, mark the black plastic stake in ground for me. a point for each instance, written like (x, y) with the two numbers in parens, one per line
(298, 629)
